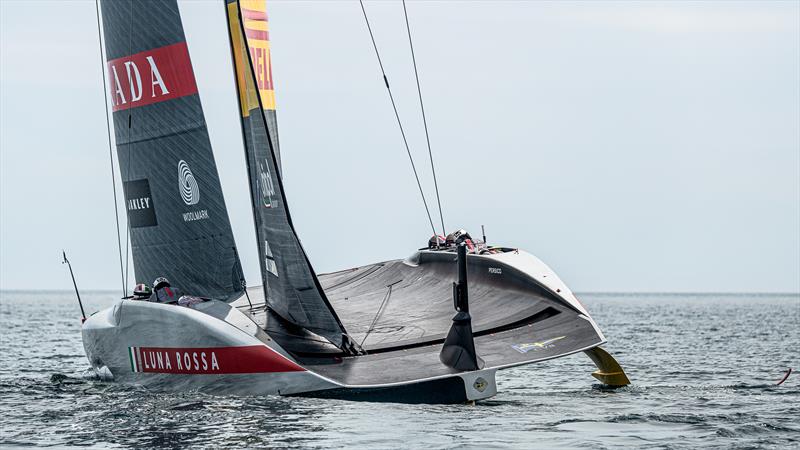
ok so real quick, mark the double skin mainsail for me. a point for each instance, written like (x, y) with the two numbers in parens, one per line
(179, 225)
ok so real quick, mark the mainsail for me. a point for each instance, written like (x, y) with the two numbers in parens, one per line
(291, 286)
(179, 226)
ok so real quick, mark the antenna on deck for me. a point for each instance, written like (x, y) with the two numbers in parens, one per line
(66, 261)
(483, 232)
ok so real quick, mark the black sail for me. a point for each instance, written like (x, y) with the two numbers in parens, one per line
(291, 286)
(179, 225)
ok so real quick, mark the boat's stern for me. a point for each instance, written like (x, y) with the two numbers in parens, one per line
(214, 347)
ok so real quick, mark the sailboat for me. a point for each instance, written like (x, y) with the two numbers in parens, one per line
(433, 327)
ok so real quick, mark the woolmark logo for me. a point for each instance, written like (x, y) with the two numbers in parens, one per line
(190, 191)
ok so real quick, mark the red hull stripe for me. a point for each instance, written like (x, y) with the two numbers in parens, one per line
(212, 360)
(151, 76)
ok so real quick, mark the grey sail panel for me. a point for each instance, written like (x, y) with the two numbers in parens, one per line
(272, 125)
(291, 286)
(179, 225)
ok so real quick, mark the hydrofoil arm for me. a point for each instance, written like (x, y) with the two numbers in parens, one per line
(609, 372)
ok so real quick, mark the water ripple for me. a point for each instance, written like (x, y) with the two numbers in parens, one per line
(704, 369)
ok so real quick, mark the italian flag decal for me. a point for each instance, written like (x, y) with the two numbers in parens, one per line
(134, 359)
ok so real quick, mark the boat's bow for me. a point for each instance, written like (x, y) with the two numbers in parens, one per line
(402, 309)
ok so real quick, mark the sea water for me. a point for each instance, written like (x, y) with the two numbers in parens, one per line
(704, 370)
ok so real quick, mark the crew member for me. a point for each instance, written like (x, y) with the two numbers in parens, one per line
(436, 241)
(142, 292)
(163, 292)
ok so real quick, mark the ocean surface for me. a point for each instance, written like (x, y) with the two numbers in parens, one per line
(703, 368)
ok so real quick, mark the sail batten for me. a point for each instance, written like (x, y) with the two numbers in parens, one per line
(290, 284)
(179, 225)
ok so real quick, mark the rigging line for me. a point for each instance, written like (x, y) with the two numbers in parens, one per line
(128, 144)
(397, 116)
(424, 120)
(110, 151)
(378, 314)
(127, 244)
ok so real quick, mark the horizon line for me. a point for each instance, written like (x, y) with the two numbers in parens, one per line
(588, 292)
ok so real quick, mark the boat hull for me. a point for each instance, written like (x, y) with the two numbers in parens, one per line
(218, 349)
(525, 317)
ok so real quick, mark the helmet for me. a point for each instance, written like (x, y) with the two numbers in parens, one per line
(436, 241)
(457, 237)
(142, 290)
(160, 282)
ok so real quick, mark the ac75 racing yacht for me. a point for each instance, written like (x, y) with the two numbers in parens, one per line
(433, 327)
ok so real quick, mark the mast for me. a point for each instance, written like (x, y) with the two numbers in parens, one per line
(291, 287)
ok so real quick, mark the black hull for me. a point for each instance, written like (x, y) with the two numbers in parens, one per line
(441, 391)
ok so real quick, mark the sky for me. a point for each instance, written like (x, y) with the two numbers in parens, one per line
(632, 146)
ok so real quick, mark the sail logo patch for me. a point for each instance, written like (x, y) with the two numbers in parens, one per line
(208, 360)
(156, 361)
(151, 76)
(269, 260)
(265, 185)
(536, 346)
(139, 203)
(190, 191)
(256, 29)
(195, 215)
